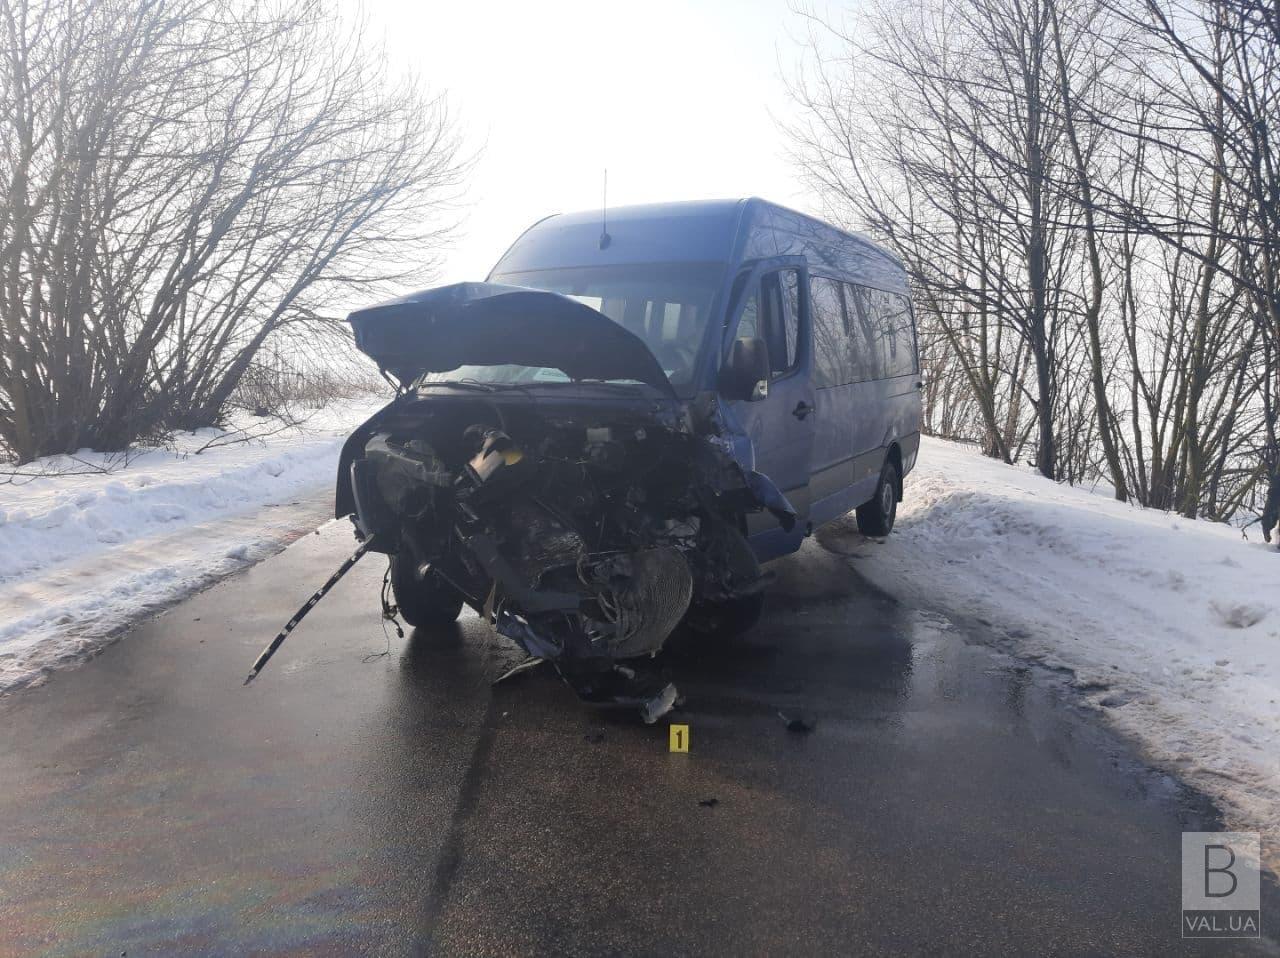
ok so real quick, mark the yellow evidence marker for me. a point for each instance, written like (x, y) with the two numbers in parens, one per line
(679, 738)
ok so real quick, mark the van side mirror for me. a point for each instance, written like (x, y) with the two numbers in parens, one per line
(745, 374)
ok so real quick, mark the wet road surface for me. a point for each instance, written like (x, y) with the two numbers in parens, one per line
(949, 799)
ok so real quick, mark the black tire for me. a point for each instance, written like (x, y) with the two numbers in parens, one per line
(422, 602)
(732, 617)
(876, 518)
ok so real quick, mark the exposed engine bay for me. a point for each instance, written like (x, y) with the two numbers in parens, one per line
(585, 516)
(586, 531)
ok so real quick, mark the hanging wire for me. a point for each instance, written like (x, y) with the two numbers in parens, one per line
(390, 613)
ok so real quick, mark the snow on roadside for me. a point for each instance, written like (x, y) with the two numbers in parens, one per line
(1171, 626)
(84, 555)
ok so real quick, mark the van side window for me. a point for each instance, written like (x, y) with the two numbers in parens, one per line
(780, 324)
(889, 332)
(830, 353)
(749, 321)
(891, 356)
(735, 294)
(864, 333)
(902, 361)
(791, 293)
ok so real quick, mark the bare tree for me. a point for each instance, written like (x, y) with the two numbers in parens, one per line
(940, 128)
(1074, 36)
(1086, 197)
(1220, 87)
(184, 182)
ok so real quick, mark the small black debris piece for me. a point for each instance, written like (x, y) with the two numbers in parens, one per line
(625, 687)
(708, 802)
(797, 723)
(595, 738)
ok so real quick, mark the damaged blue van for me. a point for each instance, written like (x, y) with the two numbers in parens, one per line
(609, 436)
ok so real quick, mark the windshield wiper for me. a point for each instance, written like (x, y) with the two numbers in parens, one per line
(475, 384)
(600, 383)
(487, 387)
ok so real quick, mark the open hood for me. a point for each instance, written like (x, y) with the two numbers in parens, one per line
(487, 324)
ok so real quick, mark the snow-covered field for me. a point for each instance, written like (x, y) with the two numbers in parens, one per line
(85, 553)
(1171, 626)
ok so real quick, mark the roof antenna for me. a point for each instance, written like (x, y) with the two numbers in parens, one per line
(605, 238)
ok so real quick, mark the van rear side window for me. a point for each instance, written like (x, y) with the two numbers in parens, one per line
(890, 332)
(882, 332)
(899, 340)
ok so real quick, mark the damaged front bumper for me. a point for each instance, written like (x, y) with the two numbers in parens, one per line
(583, 529)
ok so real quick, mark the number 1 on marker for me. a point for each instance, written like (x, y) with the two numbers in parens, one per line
(679, 738)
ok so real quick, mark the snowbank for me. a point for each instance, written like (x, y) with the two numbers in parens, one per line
(84, 555)
(1171, 626)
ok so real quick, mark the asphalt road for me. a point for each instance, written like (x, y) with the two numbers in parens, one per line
(948, 800)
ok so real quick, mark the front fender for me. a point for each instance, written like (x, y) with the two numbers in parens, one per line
(344, 499)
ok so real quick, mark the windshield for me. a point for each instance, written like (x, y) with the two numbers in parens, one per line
(665, 304)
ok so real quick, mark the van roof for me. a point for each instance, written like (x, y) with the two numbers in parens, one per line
(728, 230)
(708, 209)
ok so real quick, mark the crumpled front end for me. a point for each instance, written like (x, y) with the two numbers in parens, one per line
(585, 531)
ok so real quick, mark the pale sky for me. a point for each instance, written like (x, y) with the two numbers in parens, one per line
(677, 100)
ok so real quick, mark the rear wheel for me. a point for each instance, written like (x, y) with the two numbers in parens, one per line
(875, 518)
(422, 601)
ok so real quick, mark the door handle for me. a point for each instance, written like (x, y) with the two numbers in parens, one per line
(802, 409)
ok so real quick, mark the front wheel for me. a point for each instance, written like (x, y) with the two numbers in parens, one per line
(427, 601)
(875, 518)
